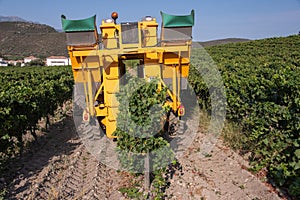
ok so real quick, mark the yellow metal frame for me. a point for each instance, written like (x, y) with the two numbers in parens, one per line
(101, 64)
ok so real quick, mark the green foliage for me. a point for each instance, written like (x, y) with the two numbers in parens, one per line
(263, 96)
(26, 95)
(139, 129)
(37, 62)
(132, 193)
(141, 108)
(131, 63)
(3, 193)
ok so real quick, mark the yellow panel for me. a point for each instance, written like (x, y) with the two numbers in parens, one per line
(96, 76)
(111, 99)
(110, 128)
(84, 53)
(104, 121)
(108, 59)
(112, 70)
(82, 61)
(108, 31)
(112, 113)
(152, 55)
(184, 70)
(185, 60)
(111, 86)
(173, 58)
(80, 76)
(169, 61)
(167, 71)
(101, 111)
(149, 29)
(152, 70)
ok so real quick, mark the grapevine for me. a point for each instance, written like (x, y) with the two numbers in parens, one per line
(140, 133)
(27, 95)
(263, 96)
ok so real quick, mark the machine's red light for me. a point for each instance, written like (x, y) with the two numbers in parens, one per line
(114, 15)
(181, 110)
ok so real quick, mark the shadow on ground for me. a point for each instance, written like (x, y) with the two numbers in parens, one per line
(60, 140)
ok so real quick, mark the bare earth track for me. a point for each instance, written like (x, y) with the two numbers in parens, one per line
(222, 174)
(60, 167)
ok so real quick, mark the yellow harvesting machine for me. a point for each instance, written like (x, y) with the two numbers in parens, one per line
(99, 61)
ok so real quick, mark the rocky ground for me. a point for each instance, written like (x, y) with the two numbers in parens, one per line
(59, 166)
(222, 174)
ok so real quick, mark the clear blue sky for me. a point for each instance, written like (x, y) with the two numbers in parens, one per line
(215, 19)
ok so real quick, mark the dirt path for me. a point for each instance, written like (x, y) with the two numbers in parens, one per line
(219, 175)
(60, 167)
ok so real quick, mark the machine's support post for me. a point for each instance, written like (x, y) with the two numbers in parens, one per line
(90, 92)
(174, 87)
(84, 82)
(179, 76)
(88, 87)
(147, 173)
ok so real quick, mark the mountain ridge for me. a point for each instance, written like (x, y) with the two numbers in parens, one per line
(12, 19)
(221, 41)
(22, 38)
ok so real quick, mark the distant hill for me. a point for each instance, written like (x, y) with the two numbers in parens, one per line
(11, 19)
(21, 39)
(222, 41)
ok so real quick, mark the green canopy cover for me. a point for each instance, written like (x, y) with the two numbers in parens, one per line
(177, 20)
(88, 24)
